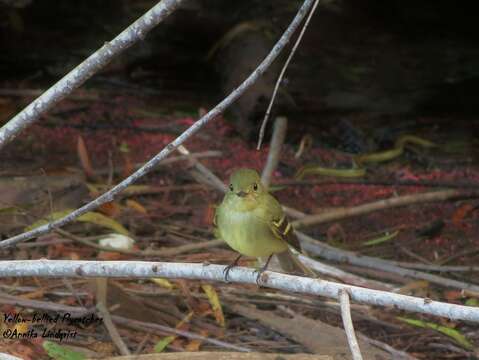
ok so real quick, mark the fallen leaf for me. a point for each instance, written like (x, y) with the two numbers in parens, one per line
(215, 303)
(135, 205)
(90, 217)
(164, 283)
(59, 352)
(454, 334)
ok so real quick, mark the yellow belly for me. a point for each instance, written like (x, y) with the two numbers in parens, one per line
(248, 235)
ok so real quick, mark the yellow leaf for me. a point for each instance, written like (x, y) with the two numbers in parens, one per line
(215, 303)
(90, 217)
(102, 220)
(135, 205)
(163, 283)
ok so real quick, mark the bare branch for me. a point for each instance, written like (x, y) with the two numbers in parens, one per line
(135, 32)
(112, 330)
(140, 269)
(277, 140)
(108, 196)
(348, 324)
(383, 204)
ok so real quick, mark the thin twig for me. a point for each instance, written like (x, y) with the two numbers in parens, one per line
(277, 139)
(212, 179)
(134, 33)
(383, 204)
(440, 268)
(212, 114)
(140, 325)
(348, 324)
(348, 278)
(112, 330)
(283, 70)
(330, 253)
(160, 252)
(396, 354)
(145, 269)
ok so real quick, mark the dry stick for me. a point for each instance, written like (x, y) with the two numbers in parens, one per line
(112, 330)
(343, 298)
(161, 252)
(210, 177)
(396, 354)
(212, 114)
(283, 70)
(145, 269)
(277, 139)
(77, 311)
(140, 325)
(170, 160)
(432, 267)
(383, 204)
(325, 251)
(134, 33)
(347, 277)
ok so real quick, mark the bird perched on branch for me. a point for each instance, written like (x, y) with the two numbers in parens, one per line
(252, 222)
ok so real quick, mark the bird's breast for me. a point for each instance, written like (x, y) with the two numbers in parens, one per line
(248, 234)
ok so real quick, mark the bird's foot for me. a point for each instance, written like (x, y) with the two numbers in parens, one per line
(227, 269)
(259, 272)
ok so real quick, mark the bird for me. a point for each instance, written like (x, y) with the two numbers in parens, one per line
(252, 222)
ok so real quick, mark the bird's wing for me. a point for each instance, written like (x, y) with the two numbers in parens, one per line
(279, 224)
(216, 230)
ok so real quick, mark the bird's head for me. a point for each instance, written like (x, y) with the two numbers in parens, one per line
(245, 186)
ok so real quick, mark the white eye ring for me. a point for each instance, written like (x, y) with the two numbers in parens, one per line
(255, 186)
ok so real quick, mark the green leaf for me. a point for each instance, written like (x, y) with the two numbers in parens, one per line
(90, 217)
(381, 239)
(472, 302)
(452, 333)
(59, 352)
(163, 343)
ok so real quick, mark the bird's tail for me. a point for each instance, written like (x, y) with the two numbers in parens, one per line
(290, 263)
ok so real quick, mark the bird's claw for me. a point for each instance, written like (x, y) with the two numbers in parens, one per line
(258, 272)
(226, 271)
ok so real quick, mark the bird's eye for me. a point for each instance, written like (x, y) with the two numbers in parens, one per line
(255, 186)
(231, 187)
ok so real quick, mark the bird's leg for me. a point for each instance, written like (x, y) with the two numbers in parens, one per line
(263, 269)
(227, 269)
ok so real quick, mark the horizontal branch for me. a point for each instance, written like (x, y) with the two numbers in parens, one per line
(399, 201)
(304, 285)
(150, 165)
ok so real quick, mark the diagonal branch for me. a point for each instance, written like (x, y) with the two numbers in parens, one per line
(75, 78)
(304, 285)
(212, 114)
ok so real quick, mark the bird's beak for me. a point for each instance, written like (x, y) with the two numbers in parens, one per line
(241, 193)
